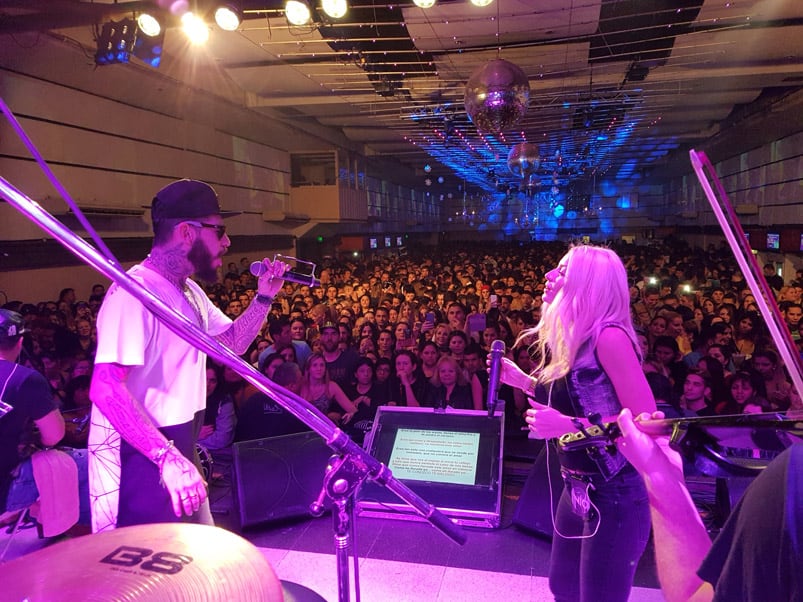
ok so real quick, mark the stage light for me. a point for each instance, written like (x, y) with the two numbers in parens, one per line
(336, 9)
(195, 28)
(481, 3)
(228, 17)
(144, 38)
(149, 46)
(297, 12)
(115, 42)
(149, 25)
(424, 3)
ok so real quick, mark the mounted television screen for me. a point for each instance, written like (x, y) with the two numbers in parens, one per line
(388, 242)
(773, 241)
(372, 243)
(399, 241)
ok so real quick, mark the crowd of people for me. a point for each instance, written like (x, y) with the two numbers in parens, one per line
(590, 334)
(416, 330)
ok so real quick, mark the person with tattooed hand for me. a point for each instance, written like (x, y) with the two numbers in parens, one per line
(149, 385)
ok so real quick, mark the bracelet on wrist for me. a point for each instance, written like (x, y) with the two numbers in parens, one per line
(159, 457)
(266, 299)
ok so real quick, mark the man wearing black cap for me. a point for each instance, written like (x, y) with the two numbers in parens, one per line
(340, 363)
(148, 385)
(26, 401)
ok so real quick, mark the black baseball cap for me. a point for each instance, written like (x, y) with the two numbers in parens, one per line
(330, 326)
(187, 199)
(12, 326)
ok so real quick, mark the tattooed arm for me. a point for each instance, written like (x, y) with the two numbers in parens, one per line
(246, 327)
(243, 330)
(109, 392)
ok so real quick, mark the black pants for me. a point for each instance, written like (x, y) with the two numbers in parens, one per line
(594, 559)
(143, 500)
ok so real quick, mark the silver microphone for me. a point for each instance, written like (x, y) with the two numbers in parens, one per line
(258, 269)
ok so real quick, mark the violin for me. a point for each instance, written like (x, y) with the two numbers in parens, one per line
(720, 446)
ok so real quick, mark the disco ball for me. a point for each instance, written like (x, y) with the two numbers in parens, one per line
(523, 159)
(497, 95)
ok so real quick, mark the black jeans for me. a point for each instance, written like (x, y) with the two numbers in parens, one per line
(143, 499)
(600, 568)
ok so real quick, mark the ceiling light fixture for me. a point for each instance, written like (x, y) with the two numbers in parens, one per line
(195, 28)
(228, 17)
(297, 12)
(481, 3)
(424, 3)
(336, 9)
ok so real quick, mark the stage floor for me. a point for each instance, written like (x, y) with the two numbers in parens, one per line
(403, 560)
(399, 560)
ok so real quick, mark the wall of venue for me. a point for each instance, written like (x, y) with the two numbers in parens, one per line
(113, 136)
(765, 187)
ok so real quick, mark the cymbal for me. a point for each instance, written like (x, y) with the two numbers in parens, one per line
(178, 562)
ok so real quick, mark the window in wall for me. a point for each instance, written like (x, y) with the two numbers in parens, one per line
(313, 169)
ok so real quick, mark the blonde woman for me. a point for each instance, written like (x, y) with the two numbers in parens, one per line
(324, 394)
(440, 336)
(587, 363)
(449, 387)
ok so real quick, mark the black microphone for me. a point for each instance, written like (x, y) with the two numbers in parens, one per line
(258, 268)
(497, 353)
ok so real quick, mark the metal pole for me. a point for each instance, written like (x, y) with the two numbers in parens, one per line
(765, 299)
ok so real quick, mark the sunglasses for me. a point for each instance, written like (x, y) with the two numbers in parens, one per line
(219, 229)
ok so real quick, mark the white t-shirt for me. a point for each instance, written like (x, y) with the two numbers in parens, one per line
(168, 375)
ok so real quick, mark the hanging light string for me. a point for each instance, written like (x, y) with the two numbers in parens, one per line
(498, 35)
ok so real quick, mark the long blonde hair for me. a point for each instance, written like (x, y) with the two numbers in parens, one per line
(459, 373)
(306, 383)
(594, 294)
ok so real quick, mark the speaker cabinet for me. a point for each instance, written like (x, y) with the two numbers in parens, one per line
(278, 477)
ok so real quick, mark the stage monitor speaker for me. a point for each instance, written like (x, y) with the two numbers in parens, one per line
(278, 477)
(533, 511)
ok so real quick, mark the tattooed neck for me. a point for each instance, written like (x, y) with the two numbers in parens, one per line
(172, 264)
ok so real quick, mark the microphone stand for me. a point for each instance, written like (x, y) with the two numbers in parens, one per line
(361, 464)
